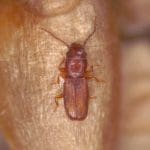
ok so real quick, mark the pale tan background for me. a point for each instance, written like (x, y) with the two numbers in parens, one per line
(27, 117)
(134, 24)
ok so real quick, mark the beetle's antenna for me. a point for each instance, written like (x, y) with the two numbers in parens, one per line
(56, 37)
(91, 33)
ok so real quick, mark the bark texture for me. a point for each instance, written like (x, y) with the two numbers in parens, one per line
(29, 59)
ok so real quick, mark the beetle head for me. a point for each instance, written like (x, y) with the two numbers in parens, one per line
(76, 50)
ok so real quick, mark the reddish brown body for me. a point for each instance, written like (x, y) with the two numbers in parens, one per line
(75, 92)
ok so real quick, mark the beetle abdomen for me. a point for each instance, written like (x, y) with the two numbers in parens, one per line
(76, 98)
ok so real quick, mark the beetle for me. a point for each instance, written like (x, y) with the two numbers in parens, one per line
(75, 74)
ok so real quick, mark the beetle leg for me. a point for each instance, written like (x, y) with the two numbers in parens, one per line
(93, 77)
(61, 74)
(90, 70)
(90, 75)
(57, 98)
(62, 70)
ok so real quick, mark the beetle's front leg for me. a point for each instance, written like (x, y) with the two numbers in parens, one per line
(90, 75)
(62, 72)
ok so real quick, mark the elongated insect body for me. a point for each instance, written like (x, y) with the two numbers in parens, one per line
(75, 86)
(75, 93)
